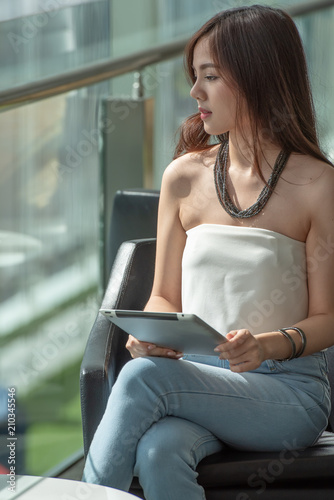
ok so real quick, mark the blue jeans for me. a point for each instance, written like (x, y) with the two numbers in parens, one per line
(163, 416)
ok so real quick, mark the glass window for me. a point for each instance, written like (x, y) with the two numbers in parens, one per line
(50, 192)
(40, 38)
(49, 225)
(317, 33)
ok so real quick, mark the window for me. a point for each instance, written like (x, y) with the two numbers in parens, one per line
(50, 187)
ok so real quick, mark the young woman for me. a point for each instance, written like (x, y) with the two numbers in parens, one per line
(245, 241)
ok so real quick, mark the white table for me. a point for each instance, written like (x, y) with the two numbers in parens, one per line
(46, 488)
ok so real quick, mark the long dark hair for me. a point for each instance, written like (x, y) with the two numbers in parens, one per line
(260, 51)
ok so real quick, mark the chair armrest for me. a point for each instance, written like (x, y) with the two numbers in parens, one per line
(129, 287)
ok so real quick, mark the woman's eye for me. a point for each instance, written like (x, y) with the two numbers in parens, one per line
(210, 78)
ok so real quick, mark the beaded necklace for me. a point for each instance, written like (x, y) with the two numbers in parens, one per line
(220, 174)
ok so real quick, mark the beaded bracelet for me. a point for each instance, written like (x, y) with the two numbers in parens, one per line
(292, 342)
(302, 336)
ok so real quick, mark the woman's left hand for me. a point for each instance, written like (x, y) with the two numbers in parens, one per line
(243, 351)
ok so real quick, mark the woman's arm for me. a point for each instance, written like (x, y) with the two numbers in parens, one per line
(171, 238)
(249, 350)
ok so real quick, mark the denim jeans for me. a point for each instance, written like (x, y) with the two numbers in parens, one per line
(163, 416)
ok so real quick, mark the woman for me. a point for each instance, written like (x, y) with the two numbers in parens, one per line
(245, 241)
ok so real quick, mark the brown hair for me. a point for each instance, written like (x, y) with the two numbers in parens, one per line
(260, 51)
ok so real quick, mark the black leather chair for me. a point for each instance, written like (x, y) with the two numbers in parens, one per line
(134, 215)
(230, 474)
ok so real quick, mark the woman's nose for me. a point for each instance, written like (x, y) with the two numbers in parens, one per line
(196, 91)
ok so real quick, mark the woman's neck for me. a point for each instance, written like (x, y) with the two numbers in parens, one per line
(242, 153)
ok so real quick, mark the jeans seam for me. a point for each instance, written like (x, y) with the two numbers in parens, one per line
(247, 398)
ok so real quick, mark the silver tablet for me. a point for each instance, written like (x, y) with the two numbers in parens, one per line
(178, 331)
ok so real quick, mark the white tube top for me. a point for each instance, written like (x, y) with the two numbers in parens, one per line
(240, 277)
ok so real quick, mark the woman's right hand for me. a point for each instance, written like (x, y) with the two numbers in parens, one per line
(139, 349)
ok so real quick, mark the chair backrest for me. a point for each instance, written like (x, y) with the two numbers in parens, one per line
(134, 216)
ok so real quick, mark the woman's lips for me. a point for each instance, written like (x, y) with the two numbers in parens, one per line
(204, 113)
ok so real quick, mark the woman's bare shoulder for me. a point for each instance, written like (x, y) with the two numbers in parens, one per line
(316, 178)
(310, 170)
(322, 187)
(189, 165)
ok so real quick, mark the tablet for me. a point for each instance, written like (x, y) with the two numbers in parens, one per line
(186, 333)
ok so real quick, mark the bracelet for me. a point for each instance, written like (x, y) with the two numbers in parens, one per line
(292, 342)
(302, 336)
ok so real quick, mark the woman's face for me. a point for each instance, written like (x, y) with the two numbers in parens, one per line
(216, 100)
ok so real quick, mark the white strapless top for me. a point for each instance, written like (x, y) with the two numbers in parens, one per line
(240, 277)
